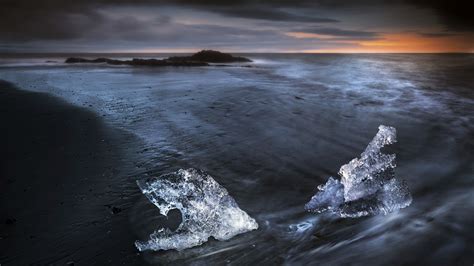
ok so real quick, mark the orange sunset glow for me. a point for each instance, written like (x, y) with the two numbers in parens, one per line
(395, 43)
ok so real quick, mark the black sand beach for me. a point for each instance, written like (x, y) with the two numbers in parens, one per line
(78, 136)
(58, 202)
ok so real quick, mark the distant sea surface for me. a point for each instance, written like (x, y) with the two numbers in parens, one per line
(272, 133)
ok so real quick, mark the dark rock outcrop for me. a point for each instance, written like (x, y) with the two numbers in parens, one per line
(136, 62)
(210, 56)
(202, 58)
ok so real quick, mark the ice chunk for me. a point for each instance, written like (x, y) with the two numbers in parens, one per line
(368, 185)
(206, 208)
(329, 196)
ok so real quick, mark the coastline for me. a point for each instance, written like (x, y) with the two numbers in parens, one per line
(66, 188)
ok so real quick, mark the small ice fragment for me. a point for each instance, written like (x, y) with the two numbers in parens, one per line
(368, 185)
(206, 208)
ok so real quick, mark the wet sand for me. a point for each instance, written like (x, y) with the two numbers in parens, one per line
(269, 135)
(65, 187)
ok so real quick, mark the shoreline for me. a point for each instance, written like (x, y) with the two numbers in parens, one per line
(65, 183)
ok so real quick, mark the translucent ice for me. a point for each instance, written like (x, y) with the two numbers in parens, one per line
(206, 208)
(368, 185)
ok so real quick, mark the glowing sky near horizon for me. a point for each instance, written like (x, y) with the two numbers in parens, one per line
(241, 26)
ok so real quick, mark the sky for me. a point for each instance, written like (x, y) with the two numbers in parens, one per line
(311, 26)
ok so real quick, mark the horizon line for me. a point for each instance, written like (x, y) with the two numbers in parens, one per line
(239, 52)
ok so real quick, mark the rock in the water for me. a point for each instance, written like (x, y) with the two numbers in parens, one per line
(210, 56)
(202, 58)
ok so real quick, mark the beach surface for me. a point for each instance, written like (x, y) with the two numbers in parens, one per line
(78, 137)
(64, 188)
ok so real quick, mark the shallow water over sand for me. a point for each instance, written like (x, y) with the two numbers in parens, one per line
(272, 133)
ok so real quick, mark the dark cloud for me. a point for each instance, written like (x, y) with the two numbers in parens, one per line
(265, 13)
(437, 34)
(28, 22)
(455, 14)
(24, 20)
(336, 32)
